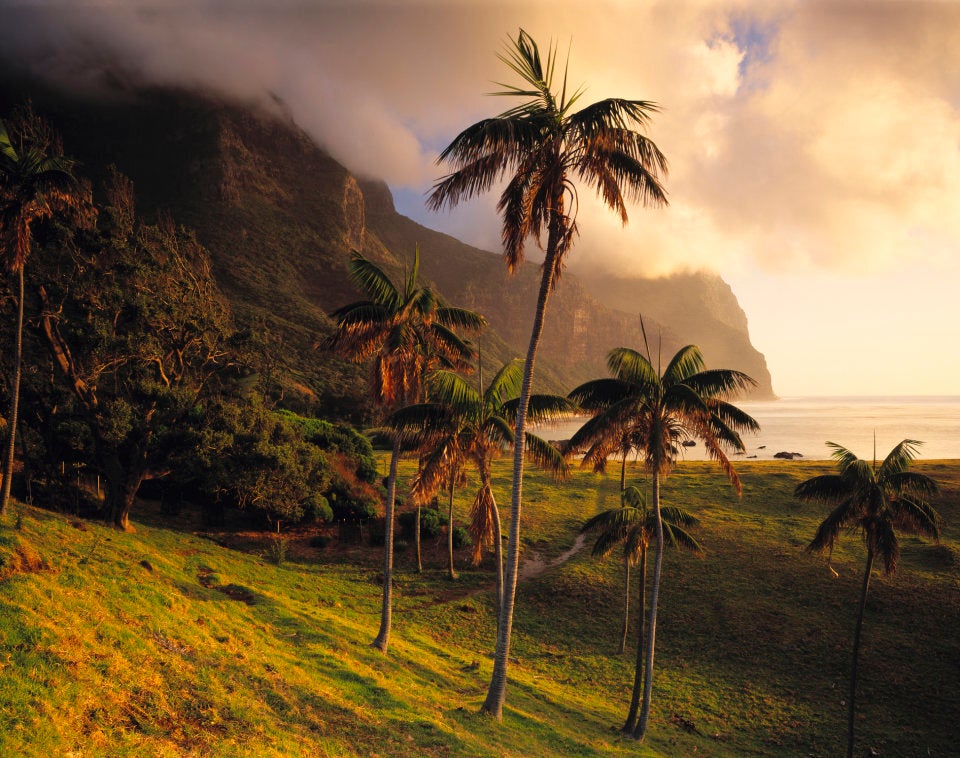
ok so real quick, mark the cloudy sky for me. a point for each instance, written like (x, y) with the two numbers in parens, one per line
(814, 146)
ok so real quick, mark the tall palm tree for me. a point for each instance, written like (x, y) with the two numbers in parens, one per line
(684, 402)
(630, 527)
(36, 183)
(404, 330)
(464, 424)
(876, 502)
(542, 146)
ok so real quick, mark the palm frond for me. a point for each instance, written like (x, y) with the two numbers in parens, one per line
(720, 383)
(685, 363)
(370, 278)
(449, 388)
(836, 521)
(827, 488)
(461, 318)
(632, 367)
(505, 384)
(678, 537)
(545, 408)
(545, 456)
(917, 516)
(899, 458)
(7, 151)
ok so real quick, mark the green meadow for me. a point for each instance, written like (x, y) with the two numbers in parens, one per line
(171, 643)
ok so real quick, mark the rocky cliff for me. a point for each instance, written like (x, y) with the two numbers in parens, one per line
(280, 217)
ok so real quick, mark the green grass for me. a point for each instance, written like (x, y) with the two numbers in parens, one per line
(165, 643)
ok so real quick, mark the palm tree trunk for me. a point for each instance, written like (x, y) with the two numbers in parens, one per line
(623, 477)
(416, 539)
(856, 652)
(14, 403)
(416, 524)
(631, 722)
(626, 605)
(497, 551)
(497, 692)
(386, 612)
(451, 571)
(641, 729)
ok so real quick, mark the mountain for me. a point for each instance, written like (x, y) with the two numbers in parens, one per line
(280, 217)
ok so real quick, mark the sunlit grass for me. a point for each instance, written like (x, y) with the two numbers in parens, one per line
(164, 643)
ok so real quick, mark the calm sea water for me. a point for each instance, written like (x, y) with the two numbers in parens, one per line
(804, 424)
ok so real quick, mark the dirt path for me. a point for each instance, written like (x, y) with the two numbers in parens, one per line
(534, 566)
(531, 568)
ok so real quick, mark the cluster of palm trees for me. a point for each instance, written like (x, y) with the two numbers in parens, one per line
(539, 147)
(538, 151)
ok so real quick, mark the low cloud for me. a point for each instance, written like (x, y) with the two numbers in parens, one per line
(802, 136)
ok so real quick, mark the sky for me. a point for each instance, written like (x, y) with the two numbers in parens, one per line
(814, 147)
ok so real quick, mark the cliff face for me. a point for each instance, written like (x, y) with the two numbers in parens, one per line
(580, 329)
(280, 218)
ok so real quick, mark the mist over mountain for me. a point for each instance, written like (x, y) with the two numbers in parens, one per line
(280, 217)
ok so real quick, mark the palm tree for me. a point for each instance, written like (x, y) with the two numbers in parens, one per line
(36, 183)
(684, 402)
(463, 424)
(631, 527)
(543, 145)
(876, 502)
(405, 331)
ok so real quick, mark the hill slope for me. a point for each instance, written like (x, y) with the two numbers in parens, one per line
(164, 643)
(280, 216)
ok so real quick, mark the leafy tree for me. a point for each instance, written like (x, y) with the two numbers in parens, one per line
(465, 424)
(876, 502)
(542, 146)
(630, 527)
(684, 402)
(404, 331)
(36, 184)
(140, 333)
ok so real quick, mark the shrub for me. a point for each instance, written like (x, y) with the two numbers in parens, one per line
(377, 532)
(277, 550)
(432, 522)
(317, 508)
(461, 537)
(320, 541)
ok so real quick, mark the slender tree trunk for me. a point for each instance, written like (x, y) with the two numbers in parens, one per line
(497, 692)
(416, 523)
(416, 539)
(451, 571)
(641, 730)
(497, 552)
(626, 605)
(631, 722)
(623, 477)
(14, 403)
(856, 652)
(386, 612)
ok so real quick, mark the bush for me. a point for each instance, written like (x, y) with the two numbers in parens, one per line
(320, 541)
(377, 532)
(277, 550)
(317, 508)
(351, 505)
(432, 522)
(461, 537)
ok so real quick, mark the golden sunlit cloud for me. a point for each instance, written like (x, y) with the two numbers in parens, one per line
(803, 137)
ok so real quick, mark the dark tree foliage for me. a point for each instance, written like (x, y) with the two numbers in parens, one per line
(139, 334)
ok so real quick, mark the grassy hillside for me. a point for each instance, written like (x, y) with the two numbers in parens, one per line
(168, 643)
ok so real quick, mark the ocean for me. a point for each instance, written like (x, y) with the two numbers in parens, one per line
(805, 424)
